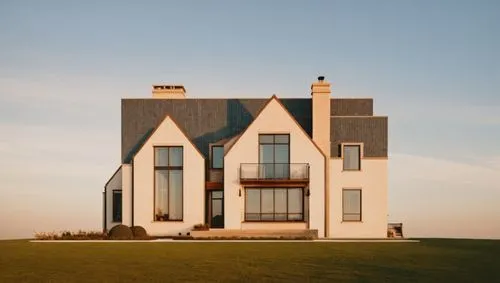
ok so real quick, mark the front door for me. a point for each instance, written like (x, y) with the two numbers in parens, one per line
(217, 209)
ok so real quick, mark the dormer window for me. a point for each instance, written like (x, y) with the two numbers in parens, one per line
(351, 155)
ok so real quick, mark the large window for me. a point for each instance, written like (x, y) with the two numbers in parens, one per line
(217, 157)
(274, 156)
(168, 167)
(351, 205)
(117, 206)
(352, 157)
(274, 204)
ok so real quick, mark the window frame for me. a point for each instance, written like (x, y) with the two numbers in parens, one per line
(274, 143)
(212, 157)
(113, 219)
(360, 205)
(360, 155)
(167, 168)
(273, 220)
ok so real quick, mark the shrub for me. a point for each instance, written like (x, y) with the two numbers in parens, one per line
(120, 232)
(201, 227)
(67, 235)
(139, 232)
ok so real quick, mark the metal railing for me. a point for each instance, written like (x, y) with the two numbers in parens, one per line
(274, 171)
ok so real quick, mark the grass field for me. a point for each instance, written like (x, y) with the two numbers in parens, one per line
(427, 261)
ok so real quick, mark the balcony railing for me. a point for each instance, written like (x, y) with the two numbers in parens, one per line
(274, 171)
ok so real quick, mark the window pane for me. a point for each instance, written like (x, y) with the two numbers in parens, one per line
(217, 194)
(266, 160)
(352, 217)
(252, 216)
(267, 217)
(217, 157)
(351, 157)
(352, 201)
(281, 170)
(281, 153)
(267, 201)
(161, 156)
(266, 153)
(266, 139)
(280, 217)
(252, 201)
(295, 216)
(175, 195)
(295, 198)
(175, 155)
(281, 139)
(117, 206)
(280, 201)
(161, 195)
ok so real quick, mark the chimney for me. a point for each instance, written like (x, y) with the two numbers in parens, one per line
(169, 91)
(320, 92)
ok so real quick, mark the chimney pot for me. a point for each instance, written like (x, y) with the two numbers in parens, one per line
(321, 78)
(167, 91)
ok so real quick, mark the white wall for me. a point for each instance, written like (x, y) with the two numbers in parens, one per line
(115, 183)
(372, 179)
(273, 119)
(168, 134)
(127, 194)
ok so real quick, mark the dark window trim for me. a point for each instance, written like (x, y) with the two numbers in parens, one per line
(168, 168)
(274, 203)
(360, 206)
(212, 157)
(115, 220)
(359, 156)
(274, 155)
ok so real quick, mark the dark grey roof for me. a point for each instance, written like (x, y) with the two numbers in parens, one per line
(207, 121)
(351, 107)
(371, 131)
(204, 121)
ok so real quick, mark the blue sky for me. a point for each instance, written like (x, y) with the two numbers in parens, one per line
(432, 66)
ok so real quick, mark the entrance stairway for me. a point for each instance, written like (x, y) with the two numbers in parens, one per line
(395, 230)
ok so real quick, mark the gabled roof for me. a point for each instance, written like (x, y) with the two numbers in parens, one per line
(207, 121)
(275, 98)
(151, 133)
(204, 121)
(111, 178)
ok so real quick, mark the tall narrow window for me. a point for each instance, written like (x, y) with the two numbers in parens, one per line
(351, 205)
(168, 183)
(217, 157)
(117, 206)
(352, 157)
(274, 156)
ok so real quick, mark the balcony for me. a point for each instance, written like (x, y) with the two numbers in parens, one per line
(272, 173)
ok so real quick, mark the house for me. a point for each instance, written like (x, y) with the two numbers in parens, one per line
(314, 163)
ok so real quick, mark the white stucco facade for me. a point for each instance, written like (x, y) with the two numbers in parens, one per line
(115, 183)
(127, 194)
(168, 134)
(372, 180)
(274, 119)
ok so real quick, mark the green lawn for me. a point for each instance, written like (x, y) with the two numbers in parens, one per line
(427, 261)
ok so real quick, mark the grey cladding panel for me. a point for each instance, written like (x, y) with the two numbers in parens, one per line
(204, 120)
(372, 131)
(351, 107)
